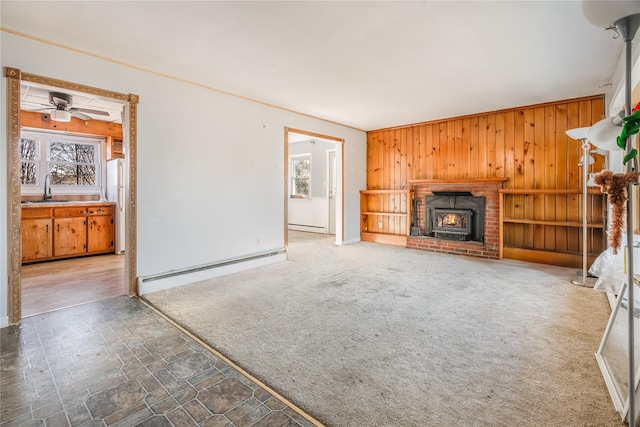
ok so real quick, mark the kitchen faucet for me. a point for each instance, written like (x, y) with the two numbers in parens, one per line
(47, 196)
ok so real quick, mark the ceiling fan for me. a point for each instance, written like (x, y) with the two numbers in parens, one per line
(62, 110)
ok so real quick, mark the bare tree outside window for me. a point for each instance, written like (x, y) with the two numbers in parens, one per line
(28, 161)
(72, 164)
(301, 175)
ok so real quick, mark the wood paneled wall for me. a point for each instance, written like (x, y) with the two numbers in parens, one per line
(526, 145)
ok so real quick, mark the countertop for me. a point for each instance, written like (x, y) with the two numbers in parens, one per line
(57, 203)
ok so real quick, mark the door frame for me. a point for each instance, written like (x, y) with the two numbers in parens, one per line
(331, 216)
(340, 186)
(14, 251)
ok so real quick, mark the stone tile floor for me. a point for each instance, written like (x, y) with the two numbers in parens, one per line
(119, 363)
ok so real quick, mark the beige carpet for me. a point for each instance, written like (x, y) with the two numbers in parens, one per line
(375, 335)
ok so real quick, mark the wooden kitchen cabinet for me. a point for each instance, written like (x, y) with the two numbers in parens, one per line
(69, 237)
(66, 231)
(115, 148)
(100, 229)
(37, 235)
(69, 227)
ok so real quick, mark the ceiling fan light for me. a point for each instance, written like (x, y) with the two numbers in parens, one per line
(60, 116)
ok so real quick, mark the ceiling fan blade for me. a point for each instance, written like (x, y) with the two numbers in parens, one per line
(90, 111)
(36, 104)
(80, 115)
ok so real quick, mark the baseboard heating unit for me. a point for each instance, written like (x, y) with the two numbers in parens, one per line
(174, 278)
(309, 228)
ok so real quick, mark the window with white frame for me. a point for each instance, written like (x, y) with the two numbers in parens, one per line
(300, 173)
(29, 160)
(72, 163)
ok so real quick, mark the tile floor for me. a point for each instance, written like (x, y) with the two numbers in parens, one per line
(119, 363)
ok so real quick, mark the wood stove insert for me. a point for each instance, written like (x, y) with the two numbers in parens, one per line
(454, 216)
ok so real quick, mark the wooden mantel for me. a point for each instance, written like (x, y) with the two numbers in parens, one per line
(490, 180)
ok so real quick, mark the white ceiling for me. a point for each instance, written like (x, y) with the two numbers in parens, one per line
(364, 64)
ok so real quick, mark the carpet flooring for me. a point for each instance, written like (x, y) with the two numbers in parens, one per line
(377, 335)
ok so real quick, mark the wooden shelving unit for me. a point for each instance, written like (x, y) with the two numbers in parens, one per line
(385, 216)
(115, 148)
(549, 222)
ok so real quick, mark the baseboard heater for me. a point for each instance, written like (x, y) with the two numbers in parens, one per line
(307, 226)
(173, 274)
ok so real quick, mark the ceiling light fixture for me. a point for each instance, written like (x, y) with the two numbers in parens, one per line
(60, 116)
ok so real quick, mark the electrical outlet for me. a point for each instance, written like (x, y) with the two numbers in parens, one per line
(258, 241)
(380, 224)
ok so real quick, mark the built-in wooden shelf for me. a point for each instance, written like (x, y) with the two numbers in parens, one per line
(515, 199)
(387, 239)
(385, 213)
(534, 191)
(385, 216)
(556, 223)
(385, 191)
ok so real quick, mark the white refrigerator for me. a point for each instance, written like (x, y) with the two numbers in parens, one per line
(116, 192)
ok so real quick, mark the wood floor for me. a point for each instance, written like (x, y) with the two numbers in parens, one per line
(54, 285)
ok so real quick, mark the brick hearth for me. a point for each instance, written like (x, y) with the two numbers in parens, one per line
(484, 187)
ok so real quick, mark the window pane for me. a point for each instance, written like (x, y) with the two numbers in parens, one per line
(301, 168)
(28, 149)
(72, 153)
(28, 173)
(302, 186)
(69, 174)
(300, 176)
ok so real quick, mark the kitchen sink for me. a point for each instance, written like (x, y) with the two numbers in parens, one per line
(33, 202)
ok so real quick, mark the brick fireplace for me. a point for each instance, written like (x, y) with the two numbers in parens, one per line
(485, 246)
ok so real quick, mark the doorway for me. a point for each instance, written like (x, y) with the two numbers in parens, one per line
(313, 184)
(15, 78)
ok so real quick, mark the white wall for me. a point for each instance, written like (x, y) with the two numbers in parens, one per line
(309, 215)
(210, 166)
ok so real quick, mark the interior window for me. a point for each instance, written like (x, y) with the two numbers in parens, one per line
(72, 163)
(29, 157)
(300, 176)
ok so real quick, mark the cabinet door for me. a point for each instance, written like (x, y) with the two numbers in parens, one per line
(100, 234)
(36, 239)
(70, 236)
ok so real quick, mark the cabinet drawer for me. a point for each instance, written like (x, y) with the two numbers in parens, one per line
(101, 210)
(36, 213)
(69, 212)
